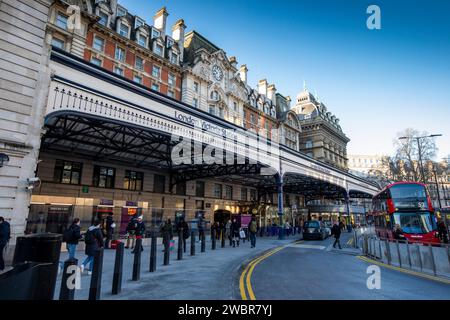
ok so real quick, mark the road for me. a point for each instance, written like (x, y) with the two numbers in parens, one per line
(312, 270)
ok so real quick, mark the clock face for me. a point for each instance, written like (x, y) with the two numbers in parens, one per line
(217, 73)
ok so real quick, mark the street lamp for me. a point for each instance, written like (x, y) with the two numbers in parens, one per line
(420, 149)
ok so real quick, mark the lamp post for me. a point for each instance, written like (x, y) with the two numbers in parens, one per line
(420, 150)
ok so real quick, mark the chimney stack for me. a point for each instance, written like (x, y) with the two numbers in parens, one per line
(271, 93)
(233, 61)
(178, 32)
(262, 87)
(243, 73)
(160, 20)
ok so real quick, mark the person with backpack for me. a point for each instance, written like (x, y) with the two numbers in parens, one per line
(72, 236)
(131, 232)
(5, 235)
(109, 229)
(94, 241)
(253, 229)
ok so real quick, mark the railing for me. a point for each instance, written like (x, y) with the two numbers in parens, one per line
(428, 258)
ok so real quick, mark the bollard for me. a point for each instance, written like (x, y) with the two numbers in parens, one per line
(96, 279)
(203, 246)
(137, 260)
(153, 254)
(223, 239)
(166, 249)
(192, 243)
(213, 239)
(118, 268)
(180, 244)
(70, 269)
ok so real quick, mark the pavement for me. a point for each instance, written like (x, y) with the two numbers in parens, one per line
(206, 276)
(314, 270)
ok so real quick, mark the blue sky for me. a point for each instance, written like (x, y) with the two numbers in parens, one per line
(377, 82)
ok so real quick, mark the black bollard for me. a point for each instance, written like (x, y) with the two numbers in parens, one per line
(153, 254)
(192, 243)
(213, 237)
(69, 280)
(223, 238)
(166, 249)
(137, 260)
(118, 269)
(203, 245)
(180, 244)
(96, 279)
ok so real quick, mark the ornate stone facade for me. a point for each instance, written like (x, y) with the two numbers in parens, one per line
(322, 137)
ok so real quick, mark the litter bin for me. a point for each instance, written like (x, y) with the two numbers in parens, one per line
(44, 250)
(20, 282)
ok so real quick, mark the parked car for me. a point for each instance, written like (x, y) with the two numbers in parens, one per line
(328, 225)
(313, 230)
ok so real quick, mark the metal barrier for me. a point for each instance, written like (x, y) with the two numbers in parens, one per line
(428, 258)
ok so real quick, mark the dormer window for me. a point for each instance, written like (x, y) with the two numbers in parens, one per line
(155, 33)
(61, 21)
(142, 40)
(121, 12)
(103, 18)
(138, 22)
(158, 49)
(124, 30)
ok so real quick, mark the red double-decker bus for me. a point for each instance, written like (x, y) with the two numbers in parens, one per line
(408, 205)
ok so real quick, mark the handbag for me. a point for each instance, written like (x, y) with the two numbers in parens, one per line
(242, 234)
(171, 245)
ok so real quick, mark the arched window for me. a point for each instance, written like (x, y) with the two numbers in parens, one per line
(215, 95)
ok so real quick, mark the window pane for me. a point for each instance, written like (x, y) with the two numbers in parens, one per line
(61, 21)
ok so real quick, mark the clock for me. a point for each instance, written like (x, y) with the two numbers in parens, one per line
(217, 73)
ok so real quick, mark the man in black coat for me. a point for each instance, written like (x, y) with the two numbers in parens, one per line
(73, 237)
(336, 231)
(5, 235)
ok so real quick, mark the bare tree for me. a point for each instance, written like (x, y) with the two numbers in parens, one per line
(410, 152)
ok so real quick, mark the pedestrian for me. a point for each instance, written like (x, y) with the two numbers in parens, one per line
(253, 229)
(235, 228)
(287, 226)
(109, 228)
(140, 230)
(72, 236)
(398, 233)
(443, 232)
(336, 231)
(201, 228)
(166, 232)
(5, 235)
(183, 231)
(228, 231)
(94, 241)
(131, 232)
